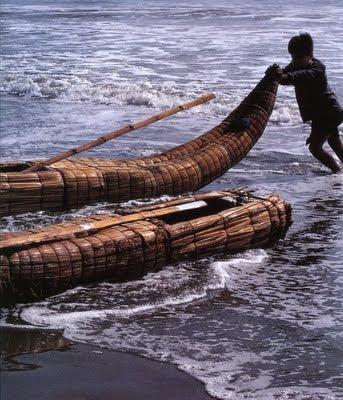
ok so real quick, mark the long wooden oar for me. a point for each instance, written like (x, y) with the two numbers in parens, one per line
(120, 132)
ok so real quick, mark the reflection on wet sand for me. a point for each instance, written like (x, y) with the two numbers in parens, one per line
(15, 342)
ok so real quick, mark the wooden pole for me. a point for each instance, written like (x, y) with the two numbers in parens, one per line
(120, 132)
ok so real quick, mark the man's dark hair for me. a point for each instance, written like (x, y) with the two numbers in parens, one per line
(301, 45)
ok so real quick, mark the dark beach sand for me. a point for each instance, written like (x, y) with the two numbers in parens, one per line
(58, 369)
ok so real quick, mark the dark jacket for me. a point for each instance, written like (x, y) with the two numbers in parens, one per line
(315, 98)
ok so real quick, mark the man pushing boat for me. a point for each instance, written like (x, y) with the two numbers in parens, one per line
(317, 103)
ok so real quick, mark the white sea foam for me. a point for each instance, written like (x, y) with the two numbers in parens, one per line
(225, 272)
(124, 317)
(144, 94)
(117, 93)
(221, 274)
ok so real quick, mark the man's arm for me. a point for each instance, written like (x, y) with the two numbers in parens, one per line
(290, 77)
(288, 68)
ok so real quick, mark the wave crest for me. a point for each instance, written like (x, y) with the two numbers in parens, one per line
(125, 93)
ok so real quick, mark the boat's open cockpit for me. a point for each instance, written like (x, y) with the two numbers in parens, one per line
(198, 209)
(16, 166)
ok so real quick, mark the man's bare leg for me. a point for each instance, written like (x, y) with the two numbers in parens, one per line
(324, 157)
(337, 146)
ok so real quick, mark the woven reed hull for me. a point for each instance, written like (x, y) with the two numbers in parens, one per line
(79, 181)
(61, 256)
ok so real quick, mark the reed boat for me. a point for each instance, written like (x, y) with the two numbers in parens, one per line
(127, 245)
(78, 181)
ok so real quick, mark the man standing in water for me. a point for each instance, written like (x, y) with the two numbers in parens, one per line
(317, 103)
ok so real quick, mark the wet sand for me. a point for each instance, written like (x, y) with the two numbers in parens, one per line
(81, 372)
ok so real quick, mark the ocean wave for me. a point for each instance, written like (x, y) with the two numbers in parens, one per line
(141, 94)
(76, 88)
(227, 272)
(172, 284)
(118, 93)
(152, 317)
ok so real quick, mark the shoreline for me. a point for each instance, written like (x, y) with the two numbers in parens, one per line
(42, 364)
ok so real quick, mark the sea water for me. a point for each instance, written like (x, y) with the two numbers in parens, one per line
(263, 324)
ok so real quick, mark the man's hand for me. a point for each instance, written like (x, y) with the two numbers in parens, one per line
(275, 71)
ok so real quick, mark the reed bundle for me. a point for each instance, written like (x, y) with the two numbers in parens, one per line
(76, 182)
(122, 247)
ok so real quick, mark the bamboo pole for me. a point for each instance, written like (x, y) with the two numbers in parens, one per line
(119, 132)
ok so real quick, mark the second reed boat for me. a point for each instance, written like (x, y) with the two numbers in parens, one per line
(127, 246)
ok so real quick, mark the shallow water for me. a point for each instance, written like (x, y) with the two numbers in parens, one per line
(264, 324)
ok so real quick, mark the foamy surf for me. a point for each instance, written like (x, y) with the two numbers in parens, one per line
(159, 329)
(144, 93)
(226, 272)
(62, 312)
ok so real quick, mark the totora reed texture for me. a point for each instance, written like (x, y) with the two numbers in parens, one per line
(79, 181)
(127, 246)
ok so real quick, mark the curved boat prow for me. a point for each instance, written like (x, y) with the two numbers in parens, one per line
(186, 168)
